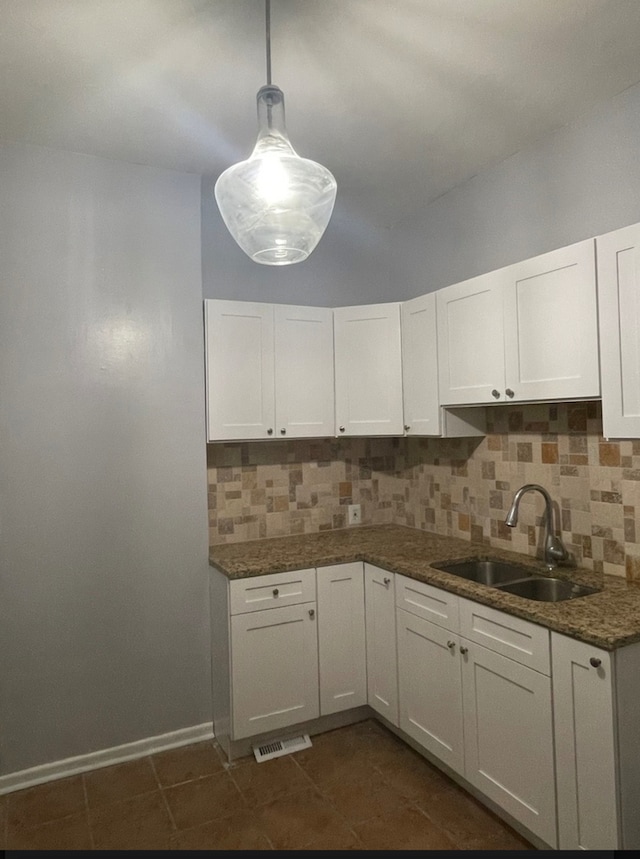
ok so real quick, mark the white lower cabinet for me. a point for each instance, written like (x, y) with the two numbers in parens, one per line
(477, 707)
(382, 664)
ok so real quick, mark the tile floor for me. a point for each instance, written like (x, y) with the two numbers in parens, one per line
(356, 788)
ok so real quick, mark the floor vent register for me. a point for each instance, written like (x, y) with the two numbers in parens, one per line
(276, 748)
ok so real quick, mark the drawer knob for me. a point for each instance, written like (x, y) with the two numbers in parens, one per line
(464, 650)
(270, 431)
(387, 582)
(341, 429)
(312, 612)
(407, 427)
(451, 645)
(510, 393)
(276, 592)
(283, 431)
(495, 394)
(595, 662)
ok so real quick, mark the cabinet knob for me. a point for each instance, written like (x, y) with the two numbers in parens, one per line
(510, 393)
(341, 429)
(270, 431)
(407, 427)
(451, 645)
(387, 582)
(312, 612)
(464, 650)
(276, 592)
(283, 431)
(595, 662)
(495, 394)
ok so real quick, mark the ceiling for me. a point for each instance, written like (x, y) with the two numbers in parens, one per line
(401, 99)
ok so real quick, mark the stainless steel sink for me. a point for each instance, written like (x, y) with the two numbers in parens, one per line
(486, 571)
(546, 589)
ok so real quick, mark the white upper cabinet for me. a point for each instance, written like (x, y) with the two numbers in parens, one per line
(619, 309)
(420, 366)
(269, 370)
(525, 332)
(368, 374)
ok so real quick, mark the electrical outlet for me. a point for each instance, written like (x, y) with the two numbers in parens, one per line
(354, 514)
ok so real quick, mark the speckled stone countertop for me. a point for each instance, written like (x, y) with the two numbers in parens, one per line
(608, 619)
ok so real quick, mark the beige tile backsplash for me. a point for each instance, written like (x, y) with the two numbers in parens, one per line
(459, 487)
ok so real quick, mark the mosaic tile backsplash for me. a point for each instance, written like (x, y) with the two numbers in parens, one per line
(458, 487)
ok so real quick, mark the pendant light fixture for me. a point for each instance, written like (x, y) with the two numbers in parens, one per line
(276, 205)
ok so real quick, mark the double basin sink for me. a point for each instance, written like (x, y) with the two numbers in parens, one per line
(513, 579)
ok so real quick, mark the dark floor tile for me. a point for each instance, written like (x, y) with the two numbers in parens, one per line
(238, 832)
(296, 821)
(357, 800)
(414, 777)
(186, 763)
(46, 802)
(406, 829)
(121, 781)
(139, 823)
(466, 821)
(3, 820)
(340, 837)
(334, 757)
(201, 800)
(69, 833)
(263, 782)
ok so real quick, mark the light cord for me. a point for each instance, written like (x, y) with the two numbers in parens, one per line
(268, 38)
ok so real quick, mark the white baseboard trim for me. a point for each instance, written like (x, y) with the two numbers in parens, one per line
(104, 757)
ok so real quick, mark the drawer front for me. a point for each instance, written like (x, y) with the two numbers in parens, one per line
(427, 602)
(520, 640)
(272, 591)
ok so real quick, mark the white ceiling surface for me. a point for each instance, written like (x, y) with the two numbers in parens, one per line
(401, 99)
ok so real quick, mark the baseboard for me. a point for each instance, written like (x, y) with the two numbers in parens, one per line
(105, 757)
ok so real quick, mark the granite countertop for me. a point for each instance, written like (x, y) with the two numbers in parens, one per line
(608, 619)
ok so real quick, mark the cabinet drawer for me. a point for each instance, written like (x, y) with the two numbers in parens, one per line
(272, 591)
(428, 602)
(518, 639)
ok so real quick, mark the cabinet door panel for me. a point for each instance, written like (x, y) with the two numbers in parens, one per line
(368, 356)
(430, 688)
(585, 746)
(274, 669)
(304, 371)
(551, 325)
(509, 737)
(240, 373)
(420, 366)
(342, 649)
(619, 309)
(382, 663)
(470, 341)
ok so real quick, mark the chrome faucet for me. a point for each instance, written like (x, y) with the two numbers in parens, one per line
(554, 549)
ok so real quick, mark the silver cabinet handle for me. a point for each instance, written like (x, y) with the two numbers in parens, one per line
(276, 592)
(509, 393)
(451, 645)
(341, 429)
(387, 582)
(464, 650)
(312, 613)
(495, 394)
(595, 662)
(270, 431)
(283, 431)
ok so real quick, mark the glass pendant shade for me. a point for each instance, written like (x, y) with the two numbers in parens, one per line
(275, 204)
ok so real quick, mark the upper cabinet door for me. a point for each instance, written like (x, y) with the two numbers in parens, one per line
(619, 308)
(420, 366)
(368, 355)
(240, 370)
(304, 371)
(470, 341)
(551, 326)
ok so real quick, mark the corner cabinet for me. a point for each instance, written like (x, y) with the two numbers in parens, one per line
(382, 663)
(420, 366)
(269, 371)
(525, 332)
(368, 370)
(619, 308)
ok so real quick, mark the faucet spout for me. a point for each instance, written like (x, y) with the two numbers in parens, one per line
(554, 549)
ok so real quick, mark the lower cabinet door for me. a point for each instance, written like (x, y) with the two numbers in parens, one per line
(430, 688)
(508, 734)
(382, 662)
(274, 669)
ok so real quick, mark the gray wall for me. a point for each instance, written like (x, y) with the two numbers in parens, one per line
(103, 524)
(582, 181)
(350, 265)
